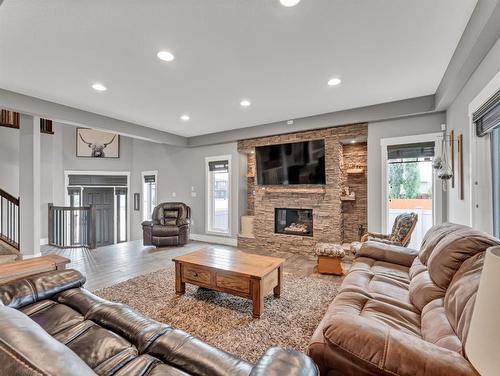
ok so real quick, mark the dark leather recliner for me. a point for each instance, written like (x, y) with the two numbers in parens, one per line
(169, 225)
(50, 325)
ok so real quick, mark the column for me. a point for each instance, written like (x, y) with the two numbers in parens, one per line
(29, 185)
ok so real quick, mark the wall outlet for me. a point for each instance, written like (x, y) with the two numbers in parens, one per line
(174, 194)
(193, 194)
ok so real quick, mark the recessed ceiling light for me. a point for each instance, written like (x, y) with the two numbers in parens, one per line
(334, 81)
(185, 117)
(165, 56)
(245, 103)
(289, 3)
(99, 87)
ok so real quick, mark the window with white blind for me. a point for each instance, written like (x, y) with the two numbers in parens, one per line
(487, 122)
(149, 185)
(218, 183)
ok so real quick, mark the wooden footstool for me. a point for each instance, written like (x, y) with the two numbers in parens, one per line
(329, 258)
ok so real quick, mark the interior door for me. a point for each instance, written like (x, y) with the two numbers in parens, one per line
(102, 199)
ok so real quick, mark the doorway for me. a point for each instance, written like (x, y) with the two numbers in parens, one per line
(108, 191)
(102, 199)
(409, 184)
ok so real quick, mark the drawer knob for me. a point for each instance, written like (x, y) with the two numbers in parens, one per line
(195, 274)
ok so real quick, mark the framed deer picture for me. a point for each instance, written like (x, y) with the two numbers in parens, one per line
(91, 143)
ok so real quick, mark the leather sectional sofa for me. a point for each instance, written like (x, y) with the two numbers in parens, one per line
(405, 312)
(50, 325)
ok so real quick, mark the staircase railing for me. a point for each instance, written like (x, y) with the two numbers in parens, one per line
(72, 226)
(9, 219)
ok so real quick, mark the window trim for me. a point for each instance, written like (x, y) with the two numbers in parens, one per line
(143, 209)
(207, 196)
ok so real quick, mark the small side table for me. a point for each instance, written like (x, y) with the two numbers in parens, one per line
(329, 258)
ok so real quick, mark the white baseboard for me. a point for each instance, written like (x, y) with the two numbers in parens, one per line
(214, 239)
(31, 256)
(44, 241)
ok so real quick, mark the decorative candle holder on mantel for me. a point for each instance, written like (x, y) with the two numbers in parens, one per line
(445, 169)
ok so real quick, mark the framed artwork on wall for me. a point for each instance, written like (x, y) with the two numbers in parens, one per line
(91, 143)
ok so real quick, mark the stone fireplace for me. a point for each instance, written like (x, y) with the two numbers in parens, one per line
(294, 218)
(293, 221)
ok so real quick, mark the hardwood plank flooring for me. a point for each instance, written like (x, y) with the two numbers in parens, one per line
(106, 266)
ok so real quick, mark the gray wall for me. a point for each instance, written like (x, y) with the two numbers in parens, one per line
(50, 162)
(385, 129)
(9, 160)
(457, 118)
(180, 169)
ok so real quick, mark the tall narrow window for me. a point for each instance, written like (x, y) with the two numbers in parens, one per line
(149, 180)
(495, 159)
(218, 194)
(487, 122)
(121, 214)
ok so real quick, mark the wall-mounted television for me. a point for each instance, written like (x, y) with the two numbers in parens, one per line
(292, 163)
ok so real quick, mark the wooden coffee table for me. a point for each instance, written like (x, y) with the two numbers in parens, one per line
(234, 272)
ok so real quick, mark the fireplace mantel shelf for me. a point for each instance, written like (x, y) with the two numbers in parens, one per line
(284, 189)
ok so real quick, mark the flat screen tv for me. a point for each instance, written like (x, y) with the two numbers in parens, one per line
(293, 163)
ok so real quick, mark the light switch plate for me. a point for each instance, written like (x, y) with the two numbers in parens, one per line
(174, 194)
(193, 194)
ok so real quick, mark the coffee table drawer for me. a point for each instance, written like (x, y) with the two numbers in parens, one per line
(194, 274)
(234, 283)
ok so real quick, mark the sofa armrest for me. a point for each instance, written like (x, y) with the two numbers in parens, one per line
(357, 342)
(387, 252)
(148, 223)
(183, 222)
(378, 235)
(278, 361)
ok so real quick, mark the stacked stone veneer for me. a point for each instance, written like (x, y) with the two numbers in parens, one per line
(333, 220)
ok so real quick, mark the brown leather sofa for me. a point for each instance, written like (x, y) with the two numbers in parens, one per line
(50, 325)
(405, 312)
(169, 225)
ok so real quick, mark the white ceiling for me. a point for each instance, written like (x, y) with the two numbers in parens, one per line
(226, 50)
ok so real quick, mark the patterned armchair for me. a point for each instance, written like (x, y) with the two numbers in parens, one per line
(403, 227)
(169, 225)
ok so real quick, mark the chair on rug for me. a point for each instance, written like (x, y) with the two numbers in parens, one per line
(402, 229)
(169, 225)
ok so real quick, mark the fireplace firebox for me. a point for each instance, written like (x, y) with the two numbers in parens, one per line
(293, 221)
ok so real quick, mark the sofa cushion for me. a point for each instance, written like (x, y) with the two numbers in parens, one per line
(27, 349)
(423, 290)
(150, 366)
(453, 250)
(164, 231)
(361, 346)
(461, 295)
(381, 268)
(433, 236)
(437, 329)
(380, 287)
(195, 357)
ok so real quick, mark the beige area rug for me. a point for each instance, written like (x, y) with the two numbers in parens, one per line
(225, 321)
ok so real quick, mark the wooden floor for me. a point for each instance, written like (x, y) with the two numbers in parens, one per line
(116, 263)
